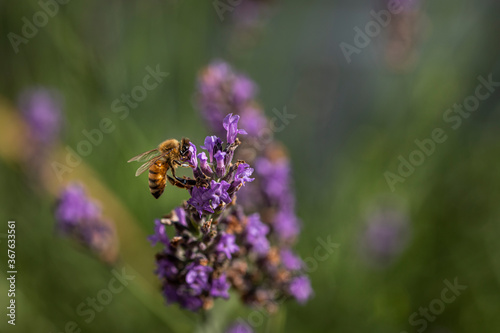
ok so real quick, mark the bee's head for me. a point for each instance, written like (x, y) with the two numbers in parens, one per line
(184, 149)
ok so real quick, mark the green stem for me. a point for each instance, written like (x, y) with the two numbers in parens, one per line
(215, 217)
(195, 228)
(204, 325)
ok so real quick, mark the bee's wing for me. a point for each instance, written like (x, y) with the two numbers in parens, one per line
(149, 163)
(144, 157)
(146, 166)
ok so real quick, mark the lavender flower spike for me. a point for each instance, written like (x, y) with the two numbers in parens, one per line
(216, 246)
(220, 91)
(74, 207)
(80, 218)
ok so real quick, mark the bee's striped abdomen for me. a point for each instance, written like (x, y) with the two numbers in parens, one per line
(157, 179)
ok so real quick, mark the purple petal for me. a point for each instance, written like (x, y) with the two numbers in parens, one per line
(300, 288)
(160, 234)
(230, 124)
(220, 169)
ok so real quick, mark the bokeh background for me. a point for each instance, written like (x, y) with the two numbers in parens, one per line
(353, 120)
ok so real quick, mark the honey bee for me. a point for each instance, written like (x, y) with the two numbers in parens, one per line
(167, 156)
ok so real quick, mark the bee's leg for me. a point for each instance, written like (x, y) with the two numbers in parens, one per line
(174, 178)
(185, 182)
(172, 168)
(173, 173)
(181, 182)
(174, 182)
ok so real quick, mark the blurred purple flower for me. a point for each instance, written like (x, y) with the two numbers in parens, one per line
(227, 245)
(181, 216)
(220, 287)
(256, 232)
(41, 109)
(275, 177)
(160, 235)
(251, 14)
(75, 207)
(286, 224)
(253, 121)
(80, 218)
(182, 295)
(300, 288)
(170, 293)
(192, 303)
(239, 327)
(166, 268)
(222, 91)
(385, 237)
(290, 260)
(197, 277)
(243, 89)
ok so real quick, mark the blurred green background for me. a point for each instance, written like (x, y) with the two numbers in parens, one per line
(352, 122)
